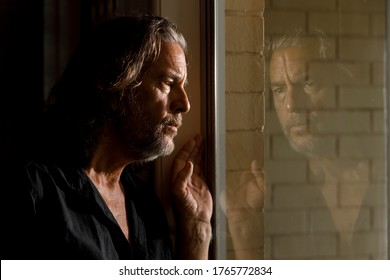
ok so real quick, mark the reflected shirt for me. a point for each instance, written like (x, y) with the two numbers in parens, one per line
(57, 213)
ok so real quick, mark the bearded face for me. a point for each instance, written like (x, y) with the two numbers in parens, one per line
(152, 119)
(298, 94)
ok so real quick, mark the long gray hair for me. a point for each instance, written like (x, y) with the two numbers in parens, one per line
(297, 38)
(104, 71)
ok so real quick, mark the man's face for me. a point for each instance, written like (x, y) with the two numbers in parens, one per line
(161, 99)
(298, 93)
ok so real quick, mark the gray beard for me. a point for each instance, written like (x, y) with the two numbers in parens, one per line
(144, 138)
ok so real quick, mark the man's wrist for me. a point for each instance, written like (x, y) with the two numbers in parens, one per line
(194, 239)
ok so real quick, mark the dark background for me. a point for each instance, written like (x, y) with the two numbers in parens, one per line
(37, 38)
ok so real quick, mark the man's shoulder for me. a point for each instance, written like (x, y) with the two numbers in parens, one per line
(42, 175)
(42, 169)
(36, 165)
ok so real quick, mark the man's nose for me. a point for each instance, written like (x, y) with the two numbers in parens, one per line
(179, 102)
(297, 99)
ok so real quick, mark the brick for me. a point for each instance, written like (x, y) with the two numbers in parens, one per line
(243, 34)
(379, 170)
(285, 222)
(244, 111)
(348, 170)
(244, 72)
(378, 25)
(344, 24)
(305, 4)
(357, 49)
(354, 24)
(362, 6)
(301, 247)
(285, 171)
(299, 196)
(327, 22)
(328, 100)
(367, 97)
(242, 148)
(354, 73)
(280, 22)
(380, 218)
(372, 242)
(362, 194)
(244, 5)
(334, 73)
(379, 121)
(322, 221)
(281, 149)
(342, 122)
(362, 146)
(376, 195)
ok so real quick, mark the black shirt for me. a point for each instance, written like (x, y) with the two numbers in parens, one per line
(55, 212)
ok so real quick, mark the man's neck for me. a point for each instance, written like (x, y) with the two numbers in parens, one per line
(107, 162)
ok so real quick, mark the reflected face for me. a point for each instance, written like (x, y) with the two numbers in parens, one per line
(153, 121)
(298, 94)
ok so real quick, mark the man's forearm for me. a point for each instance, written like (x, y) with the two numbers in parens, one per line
(193, 240)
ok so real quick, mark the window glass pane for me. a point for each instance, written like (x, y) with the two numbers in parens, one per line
(325, 130)
(305, 130)
(242, 199)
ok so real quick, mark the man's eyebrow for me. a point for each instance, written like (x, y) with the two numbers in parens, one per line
(277, 83)
(174, 76)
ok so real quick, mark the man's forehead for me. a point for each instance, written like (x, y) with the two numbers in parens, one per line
(299, 53)
(292, 59)
(171, 61)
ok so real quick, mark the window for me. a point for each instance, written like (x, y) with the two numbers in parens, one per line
(305, 130)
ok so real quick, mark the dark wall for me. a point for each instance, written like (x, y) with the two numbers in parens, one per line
(21, 55)
(21, 68)
(23, 24)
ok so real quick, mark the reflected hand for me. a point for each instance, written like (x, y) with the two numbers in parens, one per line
(243, 206)
(240, 202)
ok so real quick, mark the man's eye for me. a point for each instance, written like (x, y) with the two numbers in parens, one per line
(166, 85)
(311, 87)
(310, 83)
(279, 92)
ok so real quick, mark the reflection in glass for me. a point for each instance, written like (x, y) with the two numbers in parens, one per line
(308, 181)
(325, 180)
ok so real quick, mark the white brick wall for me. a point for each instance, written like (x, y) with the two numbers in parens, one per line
(249, 119)
(244, 98)
(244, 72)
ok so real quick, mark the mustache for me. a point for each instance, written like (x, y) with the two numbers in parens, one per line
(301, 119)
(174, 120)
(295, 120)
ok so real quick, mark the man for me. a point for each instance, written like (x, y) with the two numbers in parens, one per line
(119, 102)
